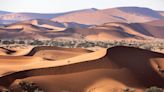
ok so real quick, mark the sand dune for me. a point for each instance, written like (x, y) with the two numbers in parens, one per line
(23, 30)
(97, 80)
(162, 13)
(116, 31)
(89, 16)
(104, 70)
(46, 29)
(4, 51)
(20, 51)
(42, 22)
(4, 12)
(120, 14)
(11, 17)
(156, 22)
(56, 26)
(33, 29)
(39, 54)
(156, 31)
(159, 64)
(56, 69)
(112, 31)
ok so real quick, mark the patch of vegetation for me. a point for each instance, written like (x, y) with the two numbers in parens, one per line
(153, 45)
(154, 89)
(5, 90)
(128, 90)
(29, 87)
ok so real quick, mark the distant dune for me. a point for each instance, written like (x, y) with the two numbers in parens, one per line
(16, 17)
(119, 31)
(156, 31)
(135, 68)
(46, 29)
(4, 12)
(162, 13)
(159, 22)
(9, 17)
(121, 14)
(122, 23)
(32, 29)
(89, 16)
(48, 23)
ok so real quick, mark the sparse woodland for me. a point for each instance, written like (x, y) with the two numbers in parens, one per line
(153, 45)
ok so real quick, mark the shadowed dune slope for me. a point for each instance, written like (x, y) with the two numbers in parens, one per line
(110, 31)
(96, 80)
(45, 23)
(156, 31)
(123, 62)
(117, 30)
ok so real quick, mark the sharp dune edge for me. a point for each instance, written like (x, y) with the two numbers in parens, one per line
(37, 49)
(113, 69)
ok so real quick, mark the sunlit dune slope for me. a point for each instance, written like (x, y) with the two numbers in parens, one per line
(56, 53)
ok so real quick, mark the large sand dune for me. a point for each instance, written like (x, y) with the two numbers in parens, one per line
(120, 14)
(114, 69)
(11, 17)
(89, 16)
(45, 29)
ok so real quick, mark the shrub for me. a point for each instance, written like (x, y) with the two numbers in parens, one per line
(154, 89)
(5, 90)
(29, 87)
(128, 90)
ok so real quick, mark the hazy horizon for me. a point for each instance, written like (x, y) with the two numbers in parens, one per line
(56, 6)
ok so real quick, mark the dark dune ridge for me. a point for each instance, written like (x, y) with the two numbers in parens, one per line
(137, 61)
(7, 51)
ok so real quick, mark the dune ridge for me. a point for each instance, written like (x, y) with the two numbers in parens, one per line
(36, 49)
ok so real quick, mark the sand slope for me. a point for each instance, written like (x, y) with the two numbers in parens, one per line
(156, 22)
(56, 53)
(120, 67)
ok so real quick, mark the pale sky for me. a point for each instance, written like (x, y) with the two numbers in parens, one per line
(55, 6)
